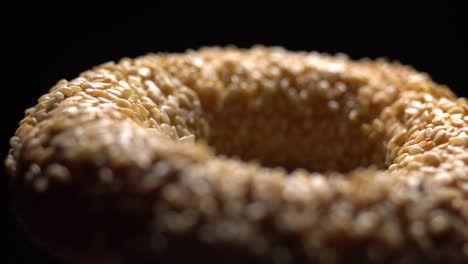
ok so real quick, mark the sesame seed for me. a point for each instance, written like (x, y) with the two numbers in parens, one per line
(415, 150)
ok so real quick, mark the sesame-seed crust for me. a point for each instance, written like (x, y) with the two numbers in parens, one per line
(245, 155)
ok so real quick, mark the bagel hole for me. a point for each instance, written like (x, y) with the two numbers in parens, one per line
(318, 134)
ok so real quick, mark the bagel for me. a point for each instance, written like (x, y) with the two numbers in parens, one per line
(257, 155)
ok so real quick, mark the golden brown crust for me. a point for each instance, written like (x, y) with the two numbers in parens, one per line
(106, 166)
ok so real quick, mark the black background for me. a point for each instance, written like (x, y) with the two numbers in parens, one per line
(43, 54)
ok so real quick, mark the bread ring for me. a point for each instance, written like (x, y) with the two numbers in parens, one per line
(258, 155)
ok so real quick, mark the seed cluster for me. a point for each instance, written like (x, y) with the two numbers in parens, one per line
(277, 156)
